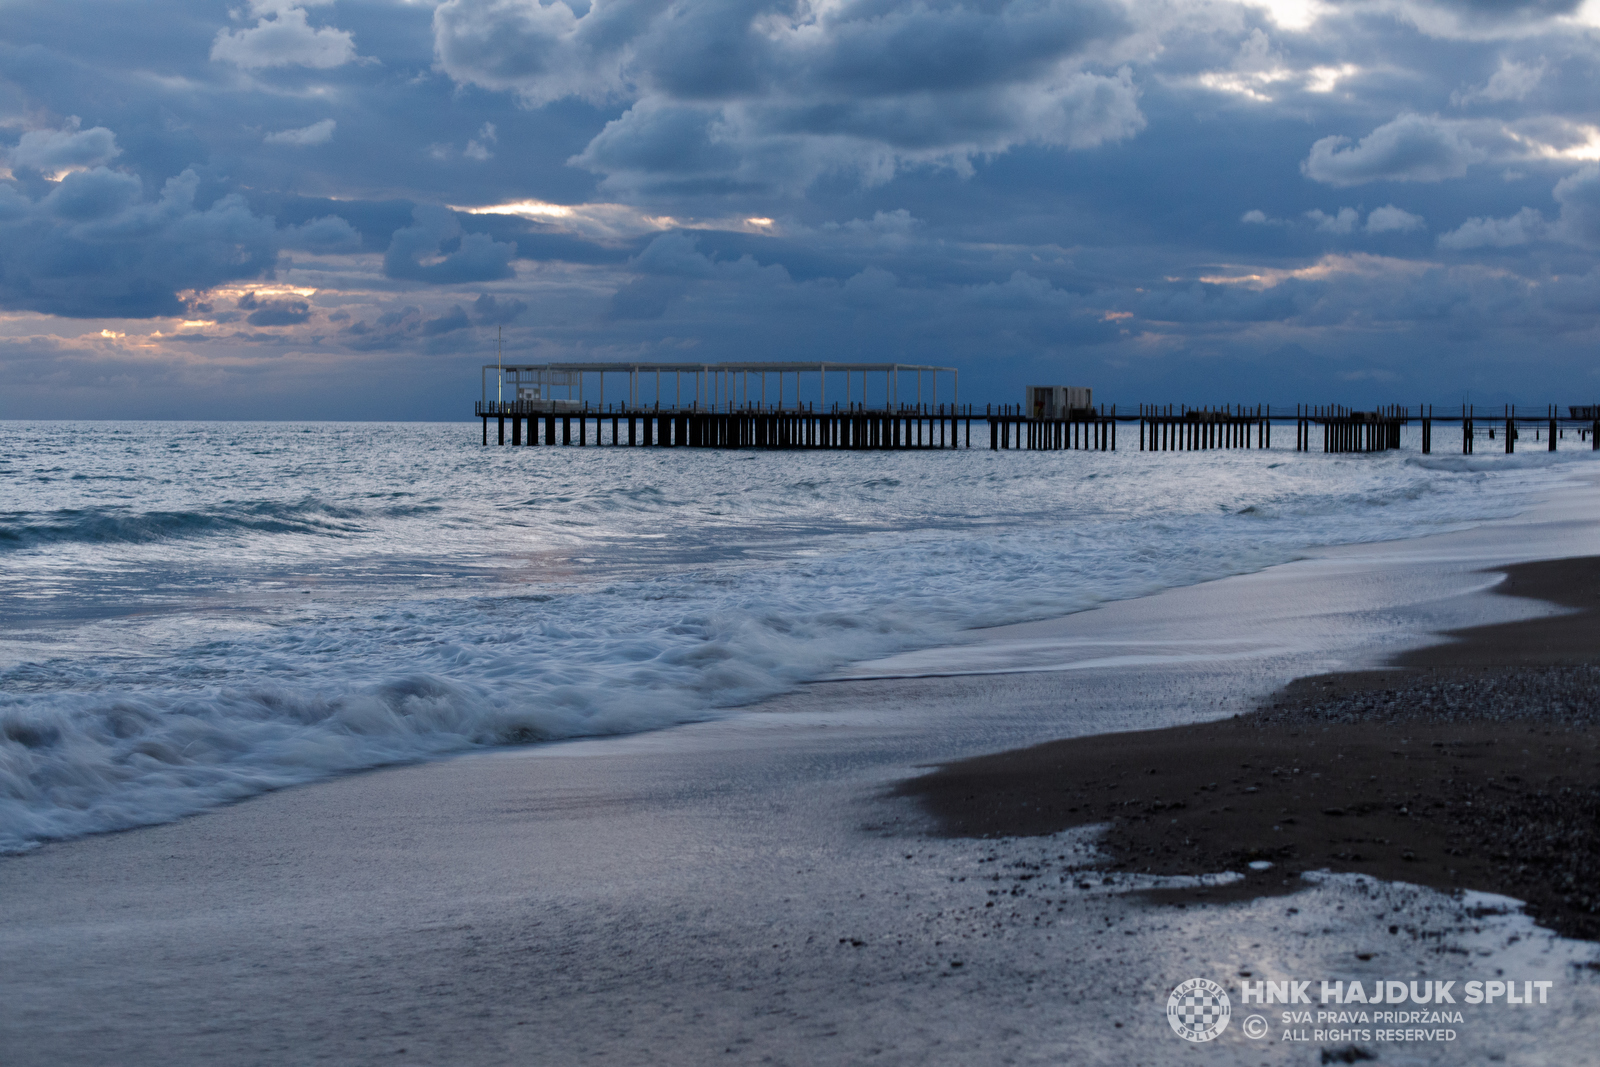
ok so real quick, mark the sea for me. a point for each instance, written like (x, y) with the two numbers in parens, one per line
(193, 613)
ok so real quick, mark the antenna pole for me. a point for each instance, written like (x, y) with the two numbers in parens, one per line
(499, 371)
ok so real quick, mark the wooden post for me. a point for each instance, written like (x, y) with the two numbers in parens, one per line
(502, 429)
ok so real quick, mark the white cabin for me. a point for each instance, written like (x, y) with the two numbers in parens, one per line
(1058, 401)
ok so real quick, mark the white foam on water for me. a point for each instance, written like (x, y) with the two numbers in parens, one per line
(201, 612)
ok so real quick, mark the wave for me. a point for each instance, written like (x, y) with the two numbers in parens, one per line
(617, 592)
(125, 525)
(74, 765)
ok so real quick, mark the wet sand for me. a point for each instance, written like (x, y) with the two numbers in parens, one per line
(1473, 764)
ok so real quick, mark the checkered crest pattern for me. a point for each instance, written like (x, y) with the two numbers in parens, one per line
(1200, 1010)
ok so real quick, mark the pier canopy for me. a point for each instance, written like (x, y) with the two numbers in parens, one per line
(736, 386)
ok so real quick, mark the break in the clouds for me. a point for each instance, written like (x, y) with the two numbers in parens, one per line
(273, 204)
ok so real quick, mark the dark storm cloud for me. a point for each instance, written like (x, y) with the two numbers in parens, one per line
(1141, 194)
(1577, 221)
(455, 319)
(415, 252)
(96, 246)
(490, 310)
(1490, 11)
(330, 233)
(767, 95)
(271, 312)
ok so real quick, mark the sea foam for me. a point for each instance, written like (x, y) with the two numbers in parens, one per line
(198, 613)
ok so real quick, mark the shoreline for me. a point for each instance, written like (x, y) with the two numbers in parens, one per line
(1473, 764)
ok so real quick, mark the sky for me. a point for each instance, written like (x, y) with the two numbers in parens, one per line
(330, 210)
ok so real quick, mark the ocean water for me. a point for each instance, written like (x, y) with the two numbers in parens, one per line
(194, 613)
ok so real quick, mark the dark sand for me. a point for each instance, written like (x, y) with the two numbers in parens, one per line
(1469, 765)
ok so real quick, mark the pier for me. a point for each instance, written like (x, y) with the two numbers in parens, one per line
(896, 406)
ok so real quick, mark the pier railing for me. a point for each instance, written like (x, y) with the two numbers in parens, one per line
(1162, 428)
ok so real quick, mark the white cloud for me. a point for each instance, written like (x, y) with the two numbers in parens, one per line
(1512, 81)
(59, 152)
(1256, 217)
(479, 148)
(1412, 148)
(281, 38)
(1390, 219)
(305, 136)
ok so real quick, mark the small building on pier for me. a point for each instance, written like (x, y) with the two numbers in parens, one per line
(1058, 401)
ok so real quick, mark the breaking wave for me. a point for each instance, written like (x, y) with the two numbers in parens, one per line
(204, 634)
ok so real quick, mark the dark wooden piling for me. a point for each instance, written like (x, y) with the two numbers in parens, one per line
(1161, 428)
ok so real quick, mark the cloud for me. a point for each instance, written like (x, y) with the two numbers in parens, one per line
(415, 251)
(1412, 148)
(763, 95)
(329, 234)
(54, 151)
(1390, 219)
(1579, 197)
(274, 312)
(479, 147)
(489, 310)
(674, 254)
(541, 51)
(94, 247)
(1344, 222)
(455, 319)
(645, 298)
(283, 38)
(1500, 11)
(1513, 81)
(1578, 194)
(1522, 228)
(783, 146)
(305, 136)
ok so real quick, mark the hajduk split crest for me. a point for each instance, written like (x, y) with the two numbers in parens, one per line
(1198, 1010)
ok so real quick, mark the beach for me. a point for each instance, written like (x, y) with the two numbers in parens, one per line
(757, 887)
(1471, 765)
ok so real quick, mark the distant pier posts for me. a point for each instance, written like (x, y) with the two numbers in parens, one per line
(1162, 428)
